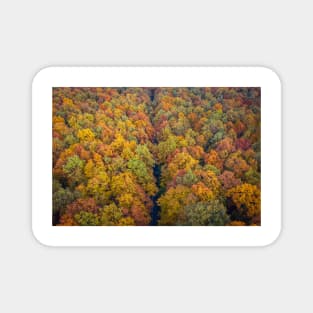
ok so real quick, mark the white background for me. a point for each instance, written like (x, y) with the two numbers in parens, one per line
(262, 77)
(35, 34)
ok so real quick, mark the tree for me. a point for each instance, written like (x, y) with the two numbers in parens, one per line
(110, 215)
(86, 219)
(73, 168)
(172, 205)
(228, 180)
(202, 191)
(139, 169)
(165, 148)
(211, 213)
(247, 201)
(98, 187)
(86, 135)
(225, 147)
(182, 160)
(212, 158)
(123, 183)
(73, 210)
(144, 154)
(236, 164)
(62, 197)
(188, 179)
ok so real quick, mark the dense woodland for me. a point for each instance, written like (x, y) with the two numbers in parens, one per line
(156, 156)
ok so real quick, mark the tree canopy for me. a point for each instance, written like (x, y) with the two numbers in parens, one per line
(192, 155)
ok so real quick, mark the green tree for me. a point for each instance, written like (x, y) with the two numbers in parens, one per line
(73, 168)
(212, 213)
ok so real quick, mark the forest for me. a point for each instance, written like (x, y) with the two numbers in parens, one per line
(156, 156)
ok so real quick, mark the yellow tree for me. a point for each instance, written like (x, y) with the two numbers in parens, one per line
(247, 200)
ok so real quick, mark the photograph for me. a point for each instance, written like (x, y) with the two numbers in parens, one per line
(156, 156)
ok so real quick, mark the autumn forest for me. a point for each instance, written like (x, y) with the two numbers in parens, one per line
(156, 156)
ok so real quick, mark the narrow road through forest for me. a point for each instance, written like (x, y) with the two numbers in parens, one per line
(155, 211)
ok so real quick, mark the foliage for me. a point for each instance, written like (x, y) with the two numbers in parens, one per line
(247, 201)
(193, 154)
(212, 213)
